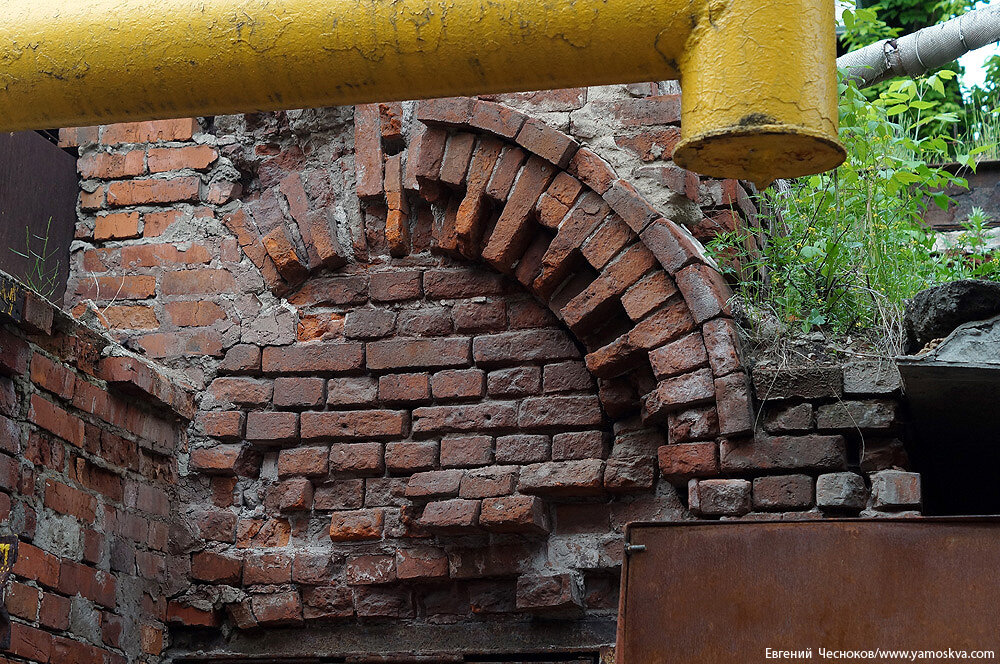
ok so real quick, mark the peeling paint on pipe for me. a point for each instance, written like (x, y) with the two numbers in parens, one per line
(759, 75)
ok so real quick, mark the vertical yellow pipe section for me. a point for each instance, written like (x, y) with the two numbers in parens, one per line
(81, 62)
(760, 90)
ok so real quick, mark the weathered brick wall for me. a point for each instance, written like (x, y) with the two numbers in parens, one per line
(446, 352)
(88, 438)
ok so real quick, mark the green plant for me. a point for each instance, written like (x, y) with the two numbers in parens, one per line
(844, 250)
(43, 275)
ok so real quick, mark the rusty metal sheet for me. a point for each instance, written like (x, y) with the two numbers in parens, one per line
(724, 592)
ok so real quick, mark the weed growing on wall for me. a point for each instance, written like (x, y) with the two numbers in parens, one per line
(844, 250)
(43, 273)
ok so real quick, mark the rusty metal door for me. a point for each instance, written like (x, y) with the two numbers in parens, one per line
(724, 592)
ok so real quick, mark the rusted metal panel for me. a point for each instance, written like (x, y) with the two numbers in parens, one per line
(37, 183)
(726, 591)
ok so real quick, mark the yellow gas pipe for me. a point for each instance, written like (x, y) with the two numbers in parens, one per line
(760, 97)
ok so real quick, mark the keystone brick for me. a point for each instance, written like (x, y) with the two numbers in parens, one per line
(357, 525)
(524, 515)
(357, 424)
(563, 478)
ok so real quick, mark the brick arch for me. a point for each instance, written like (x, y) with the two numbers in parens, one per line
(634, 289)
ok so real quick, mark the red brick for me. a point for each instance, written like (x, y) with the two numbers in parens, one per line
(466, 451)
(559, 411)
(91, 200)
(733, 403)
(699, 423)
(434, 484)
(272, 427)
(370, 570)
(131, 317)
(156, 223)
(298, 392)
(190, 616)
(340, 495)
(367, 151)
(651, 145)
(111, 165)
(22, 601)
(54, 611)
(221, 460)
(505, 173)
(418, 353)
(277, 609)
(512, 232)
(279, 247)
(358, 424)
(446, 111)
(674, 247)
(578, 445)
(194, 314)
(723, 344)
(313, 358)
(53, 377)
(319, 234)
(561, 254)
(149, 132)
(267, 568)
(649, 294)
(428, 157)
(619, 356)
(404, 387)
(308, 461)
(592, 170)
(244, 391)
(262, 533)
(78, 136)
(357, 458)
(472, 213)
(454, 516)
(203, 281)
(459, 418)
(215, 568)
(421, 563)
(327, 602)
(411, 456)
(496, 118)
(37, 565)
(548, 143)
(808, 452)
(514, 514)
(54, 419)
(522, 449)
(705, 291)
(450, 284)
(151, 192)
(355, 391)
(563, 478)
(197, 157)
(522, 347)
(357, 525)
(126, 287)
(217, 525)
(783, 492)
(457, 154)
(557, 594)
(678, 393)
(592, 306)
(680, 356)
(30, 643)
(458, 384)
(488, 482)
(117, 226)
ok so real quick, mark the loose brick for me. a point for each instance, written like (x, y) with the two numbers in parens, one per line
(895, 489)
(548, 143)
(451, 516)
(723, 344)
(289, 264)
(868, 415)
(457, 154)
(591, 306)
(367, 151)
(53, 377)
(678, 393)
(511, 234)
(524, 515)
